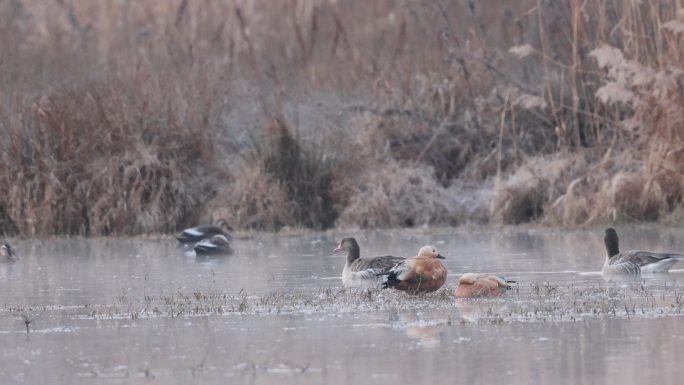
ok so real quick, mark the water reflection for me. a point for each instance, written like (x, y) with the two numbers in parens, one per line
(6, 269)
(426, 328)
(474, 310)
(428, 336)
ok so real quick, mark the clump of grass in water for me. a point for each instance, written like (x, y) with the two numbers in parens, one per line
(28, 316)
(213, 302)
(539, 302)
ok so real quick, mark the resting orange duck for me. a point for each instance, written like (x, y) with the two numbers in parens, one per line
(481, 285)
(420, 274)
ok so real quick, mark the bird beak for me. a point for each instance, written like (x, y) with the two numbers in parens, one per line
(439, 256)
(338, 248)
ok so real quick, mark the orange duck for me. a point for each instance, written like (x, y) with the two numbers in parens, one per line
(420, 274)
(481, 285)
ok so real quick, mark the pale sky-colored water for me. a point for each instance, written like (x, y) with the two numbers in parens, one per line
(442, 344)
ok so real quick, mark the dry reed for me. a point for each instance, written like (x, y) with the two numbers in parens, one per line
(125, 118)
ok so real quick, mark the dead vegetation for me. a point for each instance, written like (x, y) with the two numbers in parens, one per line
(632, 165)
(124, 118)
(534, 302)
(80, 162)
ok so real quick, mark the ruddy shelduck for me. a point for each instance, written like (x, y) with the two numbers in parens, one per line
(420, 274)
(359, 272)
(481, 285)
(634, 262)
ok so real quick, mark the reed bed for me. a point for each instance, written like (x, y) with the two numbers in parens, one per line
(128, 118)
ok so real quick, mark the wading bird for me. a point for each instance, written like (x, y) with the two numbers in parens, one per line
(634, 262)
(360, 272)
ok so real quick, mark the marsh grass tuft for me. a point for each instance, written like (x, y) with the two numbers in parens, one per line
(538, 302)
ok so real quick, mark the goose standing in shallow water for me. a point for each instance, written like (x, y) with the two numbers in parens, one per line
(216, 245)
(7, 252)
(634, 262)
(420, 274)
(196, 234)
(360, 272)
(481, 285)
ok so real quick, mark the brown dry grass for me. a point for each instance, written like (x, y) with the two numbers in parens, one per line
(396, 196)
(634, 171)
(132, 117)
(79, 162)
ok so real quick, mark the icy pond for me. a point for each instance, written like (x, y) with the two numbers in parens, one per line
(127, 311)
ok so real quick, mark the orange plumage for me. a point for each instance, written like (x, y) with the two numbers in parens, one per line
(480, 285)
(419, 274)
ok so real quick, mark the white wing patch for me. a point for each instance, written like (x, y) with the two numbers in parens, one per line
(660, 266)
(363, 278)
(365, 274)
(193, 231)
(206, 244)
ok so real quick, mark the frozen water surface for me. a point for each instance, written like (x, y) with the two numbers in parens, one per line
(122, 311)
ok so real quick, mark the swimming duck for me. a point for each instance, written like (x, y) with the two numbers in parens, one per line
(419, 274)
(481, 285)
(196, 234)
(634, 262)
(7, 252)
(216, 245)
(363, 271)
